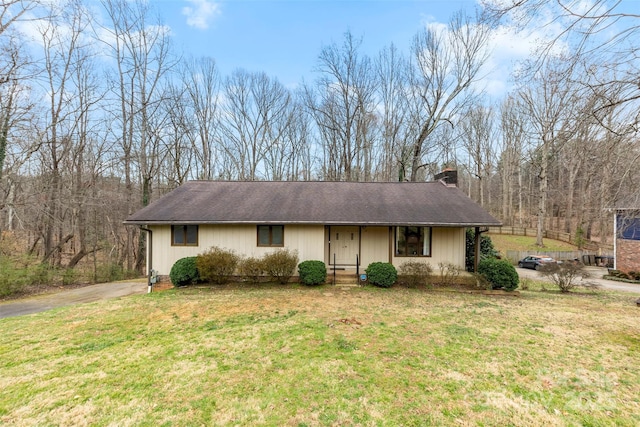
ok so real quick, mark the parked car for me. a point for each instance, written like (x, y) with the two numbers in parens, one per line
(535, 261)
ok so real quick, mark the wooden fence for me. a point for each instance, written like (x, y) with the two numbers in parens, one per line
(586, 257)
(588, 246)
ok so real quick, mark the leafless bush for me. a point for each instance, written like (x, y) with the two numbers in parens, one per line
(567, 275)
(414, 273)
(448, 273)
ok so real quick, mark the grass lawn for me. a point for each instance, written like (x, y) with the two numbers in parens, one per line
(295, 356)
(505, 242)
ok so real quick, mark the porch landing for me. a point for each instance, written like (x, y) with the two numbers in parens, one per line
(343, 276)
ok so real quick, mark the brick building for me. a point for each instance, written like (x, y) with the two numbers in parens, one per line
(627, 240)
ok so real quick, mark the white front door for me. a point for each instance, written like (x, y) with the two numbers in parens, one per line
(345, 244)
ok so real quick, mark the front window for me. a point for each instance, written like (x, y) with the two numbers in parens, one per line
(184, 235)
(271, 235)
(413, 241)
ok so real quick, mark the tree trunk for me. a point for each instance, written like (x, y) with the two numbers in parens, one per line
(543, 178)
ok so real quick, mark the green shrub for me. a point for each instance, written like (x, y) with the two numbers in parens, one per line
(12, 279)
(70, 277)
(312, 272)
(109, 272)
(619, 274)
(634, 275)
(500, 273)
(18, 273)
(251, 268)
(217, 265)
(486, 249)
(39, 274)
(415, 273)
(280, 265)
(184, 272)
(382, 274)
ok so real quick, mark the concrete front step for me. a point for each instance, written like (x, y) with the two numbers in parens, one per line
(343, 278)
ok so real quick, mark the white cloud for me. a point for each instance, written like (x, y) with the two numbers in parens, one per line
(200, 13)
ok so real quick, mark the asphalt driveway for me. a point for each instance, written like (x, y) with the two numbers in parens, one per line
(81, 295)
(596, 274)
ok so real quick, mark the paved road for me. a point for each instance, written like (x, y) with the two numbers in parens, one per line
(91, 293)
(596, 274)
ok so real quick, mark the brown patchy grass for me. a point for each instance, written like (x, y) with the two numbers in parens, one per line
(295, 356)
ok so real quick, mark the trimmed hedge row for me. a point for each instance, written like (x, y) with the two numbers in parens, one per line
(218, 266)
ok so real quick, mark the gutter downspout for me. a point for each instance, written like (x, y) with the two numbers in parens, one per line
(615, 239)
(149, 258)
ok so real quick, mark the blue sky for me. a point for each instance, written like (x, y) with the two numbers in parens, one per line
(283, 38)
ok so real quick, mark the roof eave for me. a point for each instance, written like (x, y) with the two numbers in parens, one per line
(362, 223)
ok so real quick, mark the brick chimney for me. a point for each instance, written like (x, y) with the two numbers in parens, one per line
(448, 176)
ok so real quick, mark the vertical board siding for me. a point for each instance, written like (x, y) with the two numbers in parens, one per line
(307, 240)
(375, 245)
(447, 246)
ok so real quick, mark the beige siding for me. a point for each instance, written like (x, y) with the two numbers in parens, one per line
(308, 240)
(447, 246)
(374, 245)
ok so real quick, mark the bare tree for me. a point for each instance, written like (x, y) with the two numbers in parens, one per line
(143, 58)
(342, 105)
(13, 65)
(478, 134)
(181, 140)
(445, 65)
(391, 70)
(602, 32)
(548, 100)
(513, 140)
(66, 80)
(201, 83)
(12, 11)
(255, 115)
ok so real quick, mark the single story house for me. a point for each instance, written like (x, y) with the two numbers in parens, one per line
(344, 224)
(627, 240)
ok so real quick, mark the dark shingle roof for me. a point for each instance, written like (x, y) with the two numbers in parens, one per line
(313, 202)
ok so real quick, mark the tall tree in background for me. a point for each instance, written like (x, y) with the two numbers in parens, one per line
(601, 38)
(256, 113)
(66, 77)
(445, 64)
(289, 156)
(141, 50)
(604, 29)
(201, 83)
(181, 139)
(548, 100)
(478, 137)
(513, 137)
(14, 107)
(342, 104)
(391, 71)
